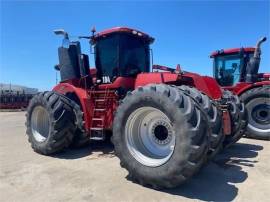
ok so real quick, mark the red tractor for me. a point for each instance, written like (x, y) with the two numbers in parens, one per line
(237, 70)
(164, 124)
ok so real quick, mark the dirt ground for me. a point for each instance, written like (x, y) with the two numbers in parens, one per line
(240, 173)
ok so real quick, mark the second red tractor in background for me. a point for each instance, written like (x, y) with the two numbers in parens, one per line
(164, 124)
(237, 70)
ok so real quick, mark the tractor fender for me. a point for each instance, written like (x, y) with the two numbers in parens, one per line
(206, 84)
(240, 88)
(143, 79)
(66, 88)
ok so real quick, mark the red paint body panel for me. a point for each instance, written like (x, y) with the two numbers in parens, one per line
(242, 87)
(231, 51)
(206, 84)
(125, 82)
(82, 94)
(122, 30)
(214, 90)
(156, 78)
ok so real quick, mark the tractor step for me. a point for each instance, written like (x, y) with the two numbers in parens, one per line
(97, 119)
(97, 134)
(96, 128)
(99, 109)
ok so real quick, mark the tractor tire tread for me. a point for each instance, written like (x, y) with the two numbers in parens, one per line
(196, 136)
(61, 122)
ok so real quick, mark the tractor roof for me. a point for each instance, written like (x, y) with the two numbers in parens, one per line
(113, 30)
(231, 51)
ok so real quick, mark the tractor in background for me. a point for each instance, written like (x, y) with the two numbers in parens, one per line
(237, 70)
(164, 125)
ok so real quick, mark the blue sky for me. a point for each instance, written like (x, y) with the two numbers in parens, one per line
(186, 32)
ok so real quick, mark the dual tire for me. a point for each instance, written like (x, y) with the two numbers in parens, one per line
(161, 135)
(214, 116)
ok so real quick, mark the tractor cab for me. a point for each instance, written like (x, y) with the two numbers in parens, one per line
(230, 65)
(118, 52)
(121, 52)
(236, 65)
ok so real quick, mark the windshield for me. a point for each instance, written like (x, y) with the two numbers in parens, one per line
(121, 55)
(230, 69)
(227, 69)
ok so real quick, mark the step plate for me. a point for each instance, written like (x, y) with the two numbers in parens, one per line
(97, 134)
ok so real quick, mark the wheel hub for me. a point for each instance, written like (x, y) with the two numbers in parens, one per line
(40, 124)
(161, 133)
(259, 114)
(149, 136)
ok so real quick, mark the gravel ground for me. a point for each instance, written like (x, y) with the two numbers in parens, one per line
(240, 173)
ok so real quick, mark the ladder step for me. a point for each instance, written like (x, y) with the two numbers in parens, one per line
(99, 109)
(95, 128)
(97, 138)
(97, 119)
(100, 100)
(97, 134)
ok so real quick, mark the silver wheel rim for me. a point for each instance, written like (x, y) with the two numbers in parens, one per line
(149, 136)
(40, 124)
(259, 114)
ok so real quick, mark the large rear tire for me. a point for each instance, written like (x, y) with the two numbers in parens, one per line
(257, 103)
(214, 117)
(238, 118)
(50, 123)
(160, 136)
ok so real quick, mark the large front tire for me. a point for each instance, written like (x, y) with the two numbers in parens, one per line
(50, 123)
(257, 102)
(160, 136)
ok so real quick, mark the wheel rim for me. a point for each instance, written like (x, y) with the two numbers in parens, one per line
(149, 136)
(40, 124)
(259, 114)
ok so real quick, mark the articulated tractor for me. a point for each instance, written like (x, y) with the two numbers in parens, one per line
(164, 124)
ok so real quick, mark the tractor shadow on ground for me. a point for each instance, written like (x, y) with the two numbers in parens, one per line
(216, 181)
(100, 148)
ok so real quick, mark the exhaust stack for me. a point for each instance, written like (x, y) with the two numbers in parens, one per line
(257, 52)
(254, 63)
